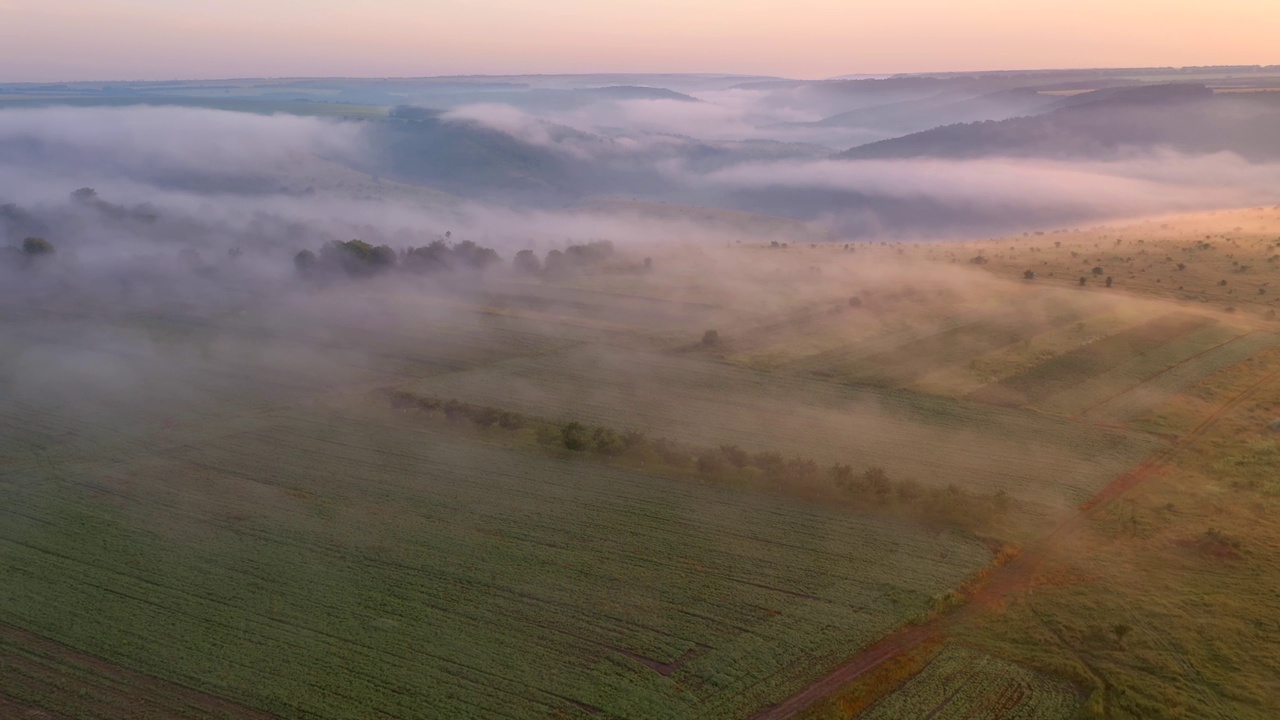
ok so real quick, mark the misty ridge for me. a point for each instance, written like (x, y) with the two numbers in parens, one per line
(851, 159)
(153, 195)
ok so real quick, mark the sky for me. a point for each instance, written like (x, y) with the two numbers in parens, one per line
(52, 40)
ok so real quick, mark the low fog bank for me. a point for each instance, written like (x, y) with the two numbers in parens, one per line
(507, 178)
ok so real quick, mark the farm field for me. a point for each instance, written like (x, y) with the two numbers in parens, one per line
(961, 683)
(205, 504)
(710, 404)
(316, 566)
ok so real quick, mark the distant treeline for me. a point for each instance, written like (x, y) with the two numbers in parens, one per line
(358, 258)
(872, 488)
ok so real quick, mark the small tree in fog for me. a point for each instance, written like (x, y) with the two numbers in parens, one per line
(574, 436)
(526, 262)
(36, 247)
(710, 338)
(877, 480)
(304, 261)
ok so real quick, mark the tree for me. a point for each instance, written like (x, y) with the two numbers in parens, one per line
(710, 338)
(574, 436)
(1120, 629)
(878, 480)
(855, 301)
(85, 195)
(1108, 281)
(1083, 280)
(1097, 270)
(36, 246)
(1029, 275)
(526, 262)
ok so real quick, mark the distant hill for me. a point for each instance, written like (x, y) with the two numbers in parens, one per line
(1106, 124)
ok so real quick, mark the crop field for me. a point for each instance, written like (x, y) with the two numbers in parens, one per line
(1048, 462)
(906, 363)
(324, 566)
(1063, 373)
(961, 683)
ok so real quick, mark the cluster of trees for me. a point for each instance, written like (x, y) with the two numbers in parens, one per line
(591, 254)
(952, 505)
(360, 259)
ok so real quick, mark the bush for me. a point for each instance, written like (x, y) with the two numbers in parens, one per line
(877, 480)
(456, 411)
(510, 421)
(710, 462)
(305, 261)
(841, 476)
(36, 246)
(526, 262)
(735, 456)
(672, 453)
(574, 436)
(710, 338)
(486, 416)
(607, 441)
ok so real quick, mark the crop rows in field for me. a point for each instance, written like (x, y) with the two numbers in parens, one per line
(1131, 373)
(41, 679)
(1037, 384)
(1139, 401)
(1043, 460)
(962, 684)
(317, 566)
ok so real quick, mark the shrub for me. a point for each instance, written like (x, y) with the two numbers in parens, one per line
(710, 337)
(526, 262)
(672, 453)
(510, 421)
(841, 476)
(735, 455)
(710, 463)
(574, 436)
(607, 441)
(877, 480)
(456, 411)
(36, 246)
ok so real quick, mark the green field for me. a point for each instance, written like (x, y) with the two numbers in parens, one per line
(221, 501)
(316, 565)
(961, 683)
(1047, 462)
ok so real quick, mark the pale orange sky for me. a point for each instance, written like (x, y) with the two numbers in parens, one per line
(43, 40)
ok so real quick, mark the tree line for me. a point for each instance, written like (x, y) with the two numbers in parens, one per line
(872, 487)
(358, 258)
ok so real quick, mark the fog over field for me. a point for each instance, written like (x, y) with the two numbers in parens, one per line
(638, 396)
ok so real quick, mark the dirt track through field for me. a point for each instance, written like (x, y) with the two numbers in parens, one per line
(1016, 575)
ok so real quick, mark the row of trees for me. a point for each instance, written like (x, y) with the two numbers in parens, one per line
(359, 259)
(952, 505)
